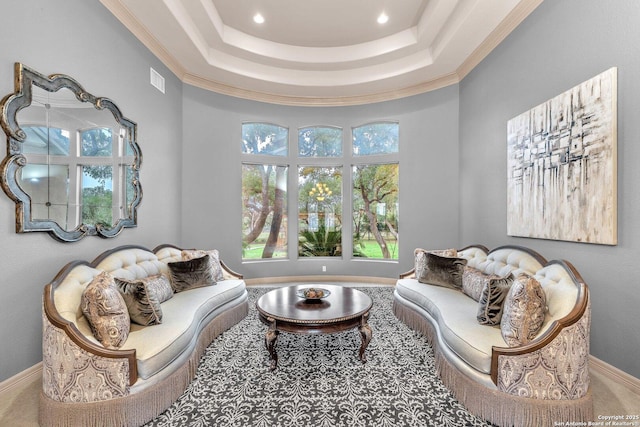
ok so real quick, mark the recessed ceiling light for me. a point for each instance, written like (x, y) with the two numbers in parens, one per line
(258, 19)
(383, 18)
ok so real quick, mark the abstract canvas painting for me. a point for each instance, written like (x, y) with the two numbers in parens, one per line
(562, 166)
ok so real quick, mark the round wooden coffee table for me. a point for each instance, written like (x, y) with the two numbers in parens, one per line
(284, 311)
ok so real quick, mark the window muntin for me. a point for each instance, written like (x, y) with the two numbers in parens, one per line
(264, 211)
(265, 138)
(376, 138)
(375, 210)
(319, 211)
(320, 141)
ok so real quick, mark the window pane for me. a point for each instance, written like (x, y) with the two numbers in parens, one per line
(48, 186)
(375, 210)
(264, 138)
(97, 195)
(96, 142)
(44, 140)
(264, 211)
(320, 142)
(319, 211)
(375, 138)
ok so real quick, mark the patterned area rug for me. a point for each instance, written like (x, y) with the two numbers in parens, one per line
(319, 380)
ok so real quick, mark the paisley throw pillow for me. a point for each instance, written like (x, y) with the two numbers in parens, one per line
(106, 311)
(524, 311)
(473, 281)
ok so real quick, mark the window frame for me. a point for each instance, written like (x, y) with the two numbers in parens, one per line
(293, 161)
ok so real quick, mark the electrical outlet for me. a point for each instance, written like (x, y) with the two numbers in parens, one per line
(324, 268)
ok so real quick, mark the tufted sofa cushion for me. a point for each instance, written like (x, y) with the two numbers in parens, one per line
(560, 291)
(137, 263)
(473, 255)
(501, 261)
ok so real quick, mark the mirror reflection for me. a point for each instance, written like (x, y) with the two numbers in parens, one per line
(74, 157)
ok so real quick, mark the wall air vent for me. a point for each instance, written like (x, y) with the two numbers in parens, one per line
(157, 80)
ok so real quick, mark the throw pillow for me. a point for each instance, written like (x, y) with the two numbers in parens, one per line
(143, 298)
(442, 271)
(491, 302)
(473, 281)
(218, 272)
(106, 311)
(524, 311)
(193, 273)
(420, 257)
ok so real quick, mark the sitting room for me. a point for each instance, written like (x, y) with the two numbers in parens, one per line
(319, 213)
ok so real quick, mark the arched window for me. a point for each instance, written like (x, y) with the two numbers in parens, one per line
(362, 180)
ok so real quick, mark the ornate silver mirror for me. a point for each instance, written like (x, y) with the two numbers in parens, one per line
(72, 164)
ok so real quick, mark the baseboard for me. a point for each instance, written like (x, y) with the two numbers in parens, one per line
(321, 279)
(27, 376)
(614, 374)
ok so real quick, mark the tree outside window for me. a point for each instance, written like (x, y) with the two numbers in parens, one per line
(320, 141)
(319, 211)
(97, 179)
(375, 190)
(264, 192)
(375, 210)
(379, 138)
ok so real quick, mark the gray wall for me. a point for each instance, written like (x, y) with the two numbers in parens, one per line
(562, 44)
(89, 44)
(428, 174)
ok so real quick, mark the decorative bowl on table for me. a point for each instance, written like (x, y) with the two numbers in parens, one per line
(313, 294)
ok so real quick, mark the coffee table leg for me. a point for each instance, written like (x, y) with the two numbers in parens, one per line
(365, 334)
(270, 342)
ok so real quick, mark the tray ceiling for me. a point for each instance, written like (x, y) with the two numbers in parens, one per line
(321, 52)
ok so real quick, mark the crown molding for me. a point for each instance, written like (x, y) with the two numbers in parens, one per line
(319, 101)
(127, 19)
(508, 24)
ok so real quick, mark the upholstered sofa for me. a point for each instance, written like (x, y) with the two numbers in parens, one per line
(88, 384)
(541, 382)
